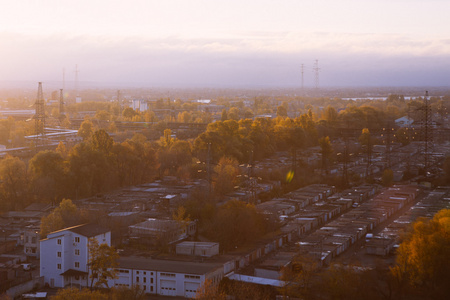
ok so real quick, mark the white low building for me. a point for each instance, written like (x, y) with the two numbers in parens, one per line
(64, 254)
(166, 277)
(404, 121)
(201, 249)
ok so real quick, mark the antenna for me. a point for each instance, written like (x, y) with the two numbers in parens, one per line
(316, 70)
(64, 78)
(302, 68)
(76, 80)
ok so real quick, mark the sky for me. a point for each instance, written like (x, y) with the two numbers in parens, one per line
(233, 43)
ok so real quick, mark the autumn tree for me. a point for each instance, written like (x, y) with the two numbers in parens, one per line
(423, 256)
(209, 291)
(299, 276)
(101, 141)
(224, 115)
(330, 115)
(86, 129)
(103, 261)
(103, 115)
(181, 217)
(77, 294)
(65, 215)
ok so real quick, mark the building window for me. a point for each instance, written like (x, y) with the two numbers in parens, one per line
(77, 239)
(168, 274)
(59, 266)
(145, 279)
(137, 279)
(59, 254)
(151, 288)
(59, 241)
(145, 273)
(33, 240)
(137, 272)
(151, 280)
(77, 264)
(192, 276)
(145, 288)
(77, 251)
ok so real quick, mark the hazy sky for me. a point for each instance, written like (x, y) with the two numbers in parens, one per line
(261, 43)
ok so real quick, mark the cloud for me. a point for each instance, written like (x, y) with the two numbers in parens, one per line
(250, 58)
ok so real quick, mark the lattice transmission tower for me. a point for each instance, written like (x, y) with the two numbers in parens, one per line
(426, 133)
(316, 70)
(39, 118)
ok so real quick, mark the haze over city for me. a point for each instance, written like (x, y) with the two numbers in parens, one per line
(226, 43)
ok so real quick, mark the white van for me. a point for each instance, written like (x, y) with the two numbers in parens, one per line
(369, 236)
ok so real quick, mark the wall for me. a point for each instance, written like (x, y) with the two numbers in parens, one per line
(18, 290)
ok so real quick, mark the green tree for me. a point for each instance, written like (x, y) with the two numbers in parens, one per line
(103, 261)
(387, 177)
(87, 169)
(225, 175)
(281, 111)
(224, 115)
(128, 113)
(326, 150)
(132, 293)
(402, 136)
(13, 183)
(235, 224)
(48, 172)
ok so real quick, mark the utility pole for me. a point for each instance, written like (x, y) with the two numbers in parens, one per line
(76, 80)
(118, 101)
(208, 161)
(389, 130)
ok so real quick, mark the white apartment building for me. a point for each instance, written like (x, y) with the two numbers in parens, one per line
(64, 254)
(31, 244)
